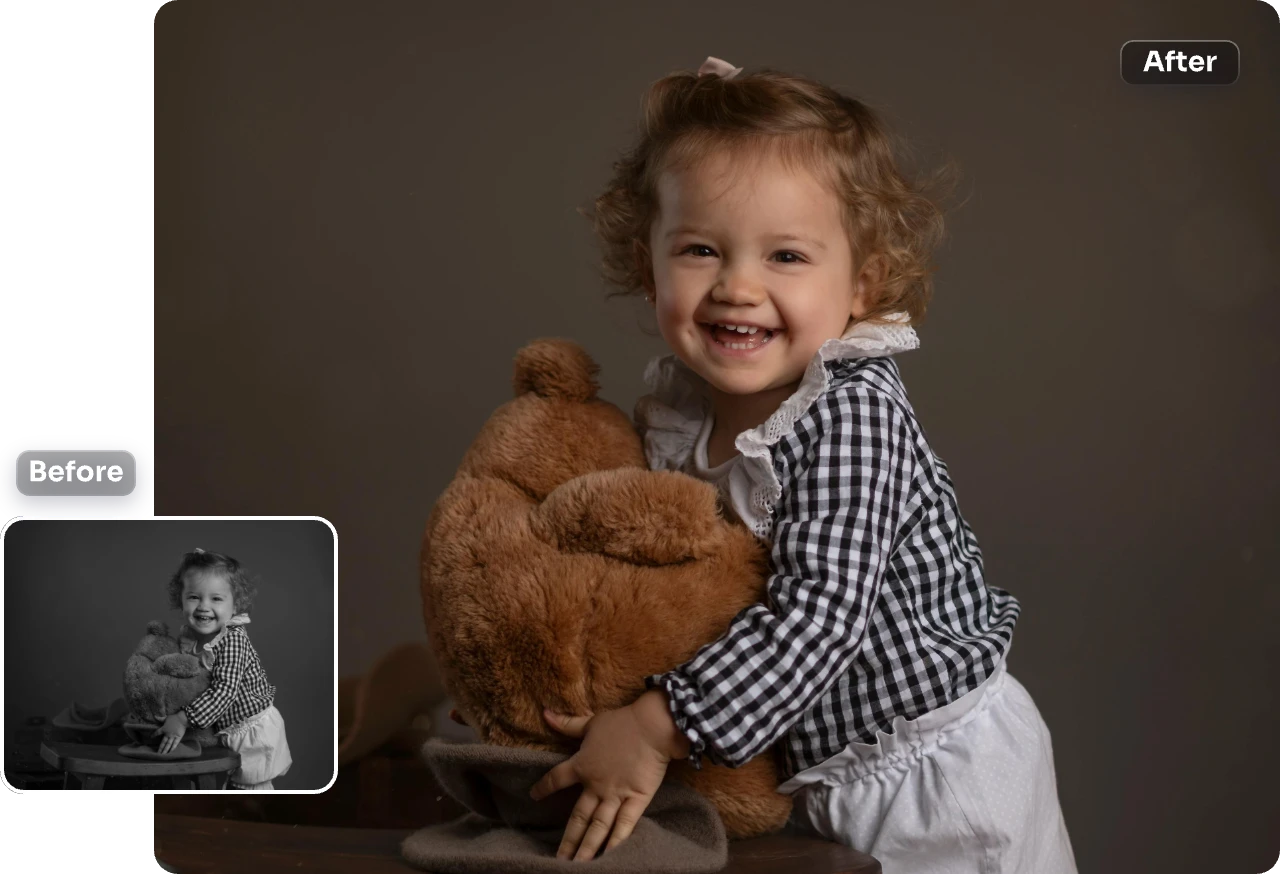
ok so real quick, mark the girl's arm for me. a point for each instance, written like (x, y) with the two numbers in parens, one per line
(837, 523)
(224, 682)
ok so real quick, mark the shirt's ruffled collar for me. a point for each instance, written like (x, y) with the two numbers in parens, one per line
(187, 642)
(671, 416)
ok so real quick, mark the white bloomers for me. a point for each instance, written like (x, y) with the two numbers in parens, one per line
(968, 788)
(263, 749)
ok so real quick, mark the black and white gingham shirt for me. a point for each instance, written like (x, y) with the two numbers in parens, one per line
(238, 687)
(877, 606)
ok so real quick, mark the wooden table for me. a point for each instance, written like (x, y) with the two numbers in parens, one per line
(203, 845)
(92, 764)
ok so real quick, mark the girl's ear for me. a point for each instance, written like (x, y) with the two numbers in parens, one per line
(866, 286)
(644, 264)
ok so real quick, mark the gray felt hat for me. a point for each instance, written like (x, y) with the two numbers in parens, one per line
(507, 831)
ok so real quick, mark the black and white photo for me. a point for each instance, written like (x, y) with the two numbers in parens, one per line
(170, 654)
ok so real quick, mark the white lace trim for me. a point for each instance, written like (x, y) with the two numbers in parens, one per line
(673, 414)
(187, 640)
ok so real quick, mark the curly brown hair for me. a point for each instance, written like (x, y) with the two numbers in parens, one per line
(243, 587)
(841, 140)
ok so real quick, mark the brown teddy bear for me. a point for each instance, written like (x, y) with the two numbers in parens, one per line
(160, 680)
(558, 571)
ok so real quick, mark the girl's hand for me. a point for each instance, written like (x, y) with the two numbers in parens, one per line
(172, 731)
(621, 763)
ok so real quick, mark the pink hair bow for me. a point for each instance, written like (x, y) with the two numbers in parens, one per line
(717, 67)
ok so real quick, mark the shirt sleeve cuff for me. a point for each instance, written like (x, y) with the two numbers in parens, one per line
(677, 689)
(191, 719)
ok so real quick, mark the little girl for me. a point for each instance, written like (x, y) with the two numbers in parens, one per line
(214, 593)
(787, 257)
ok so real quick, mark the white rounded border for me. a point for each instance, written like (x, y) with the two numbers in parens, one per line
(136, 795)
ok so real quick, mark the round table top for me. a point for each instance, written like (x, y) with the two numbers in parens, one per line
(99, 759)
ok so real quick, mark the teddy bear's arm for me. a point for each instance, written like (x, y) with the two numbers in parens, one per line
(641, 516)
(178, 664)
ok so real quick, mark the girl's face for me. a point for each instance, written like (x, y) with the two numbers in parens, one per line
(207, 601)
(752, 270)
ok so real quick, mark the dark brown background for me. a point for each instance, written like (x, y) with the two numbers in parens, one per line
(363, 209)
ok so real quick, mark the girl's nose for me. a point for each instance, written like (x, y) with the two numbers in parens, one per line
(739, 291)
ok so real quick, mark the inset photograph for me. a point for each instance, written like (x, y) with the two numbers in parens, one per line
(170, 654)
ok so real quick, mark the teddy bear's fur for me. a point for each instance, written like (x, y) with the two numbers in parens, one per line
(558, 571)
(160, 680)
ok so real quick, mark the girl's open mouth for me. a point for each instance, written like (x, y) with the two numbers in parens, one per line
(742, 338)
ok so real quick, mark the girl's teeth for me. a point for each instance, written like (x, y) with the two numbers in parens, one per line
(743, 331)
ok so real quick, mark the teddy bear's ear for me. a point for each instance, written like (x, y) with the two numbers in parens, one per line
(555, 368)
(157, 627)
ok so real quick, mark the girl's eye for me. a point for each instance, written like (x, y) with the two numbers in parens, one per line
(796, 255)
(696, 246)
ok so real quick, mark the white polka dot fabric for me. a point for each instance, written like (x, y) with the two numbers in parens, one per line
(968, 788)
